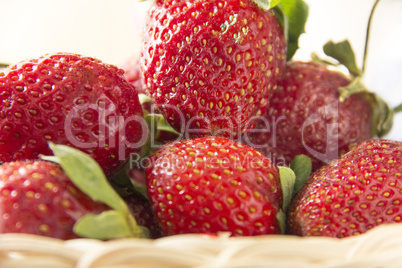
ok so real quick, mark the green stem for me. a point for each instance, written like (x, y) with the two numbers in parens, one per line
(3, 65)
(398, 108)
(368, 35)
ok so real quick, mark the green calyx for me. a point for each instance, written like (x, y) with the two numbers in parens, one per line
(288, 180)
(398, 108)
(88, 176)
(302, 167)
(383, 115)
(292, 180)
(294, 177)
(342, 52)
(156, 124)
(266, 4)
(296, 13)
(344, 55)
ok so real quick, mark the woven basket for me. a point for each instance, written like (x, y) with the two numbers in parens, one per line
(380, 247)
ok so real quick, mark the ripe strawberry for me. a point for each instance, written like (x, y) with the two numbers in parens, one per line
(212, 184)
(306, 116)
(37, 197)
(210, 66)
(355, 193)
(141, 209)
(132, 73)
(68, 99)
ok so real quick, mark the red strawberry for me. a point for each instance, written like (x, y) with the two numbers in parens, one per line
(321, 112)
(355, 193)
(141, 209)
(68, 99)
(132, 73)
(210, 66)
(307, 117)
(38, 198)
(212, 184)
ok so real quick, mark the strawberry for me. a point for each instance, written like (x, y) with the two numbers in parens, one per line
(68, 99)
(140, 208)
(305, 104)
(37, 197)
(318, 112)
(353, 194)
(210, 66)
(213, 184)
(132, 73)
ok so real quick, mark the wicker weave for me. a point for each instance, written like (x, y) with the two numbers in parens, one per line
(380, 247)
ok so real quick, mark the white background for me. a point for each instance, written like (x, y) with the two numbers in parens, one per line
(111, 30)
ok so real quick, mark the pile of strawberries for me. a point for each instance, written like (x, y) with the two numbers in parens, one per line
(213, 129)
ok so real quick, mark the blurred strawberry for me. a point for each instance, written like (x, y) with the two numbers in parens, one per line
(132, 73)
(319, 112)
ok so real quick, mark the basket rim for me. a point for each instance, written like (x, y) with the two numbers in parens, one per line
(377, 247)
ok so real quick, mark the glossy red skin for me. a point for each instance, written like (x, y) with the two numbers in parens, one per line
(352, 195)
(210, 66)
(211, 184)
(38, 100)
(38, 198)
(307, 90)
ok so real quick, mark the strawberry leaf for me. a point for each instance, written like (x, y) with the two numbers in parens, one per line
(356, 86)
(343, 53)
(296, 12)
(281, 218)
(266, 4)
(288, 178)
(301, 166)
(383, 116)
(160, 123)
(88, 176)
(315, 58)
(283, 21)
(109, 224)
(144, 98)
